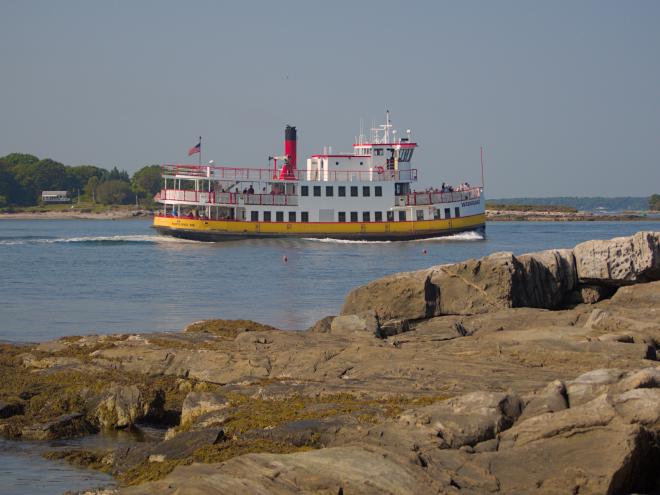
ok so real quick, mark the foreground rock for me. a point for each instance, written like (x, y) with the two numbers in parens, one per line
(549, 279)
(455, 378)
(619, 261)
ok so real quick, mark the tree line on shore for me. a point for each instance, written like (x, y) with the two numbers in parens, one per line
(23, 177)
(588, 203)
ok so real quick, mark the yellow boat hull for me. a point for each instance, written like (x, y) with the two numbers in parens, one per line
(219, 230)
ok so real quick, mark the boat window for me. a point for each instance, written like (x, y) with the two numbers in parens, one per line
(366, 216)
(266, 216)
(279, 216)
(336, 163)
(447, 213)
(354, 216)
(354, 191)
(361, 163)
(420, 214)
(292, 216)
(317, 191)
(341, 216)
(436, 214)
(378, 216)
(254, 216)
(378, 191)
(405, 154)
(457, 212)
(390, 216)
(366, 191)
(402, 216)
(329, 191)
(304, 190)
(341, 191)
(378, 151)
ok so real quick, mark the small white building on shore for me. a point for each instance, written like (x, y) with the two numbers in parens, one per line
(55, 197)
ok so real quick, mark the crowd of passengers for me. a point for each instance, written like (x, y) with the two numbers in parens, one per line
(276, 189)
(464, 186)
(200, 215)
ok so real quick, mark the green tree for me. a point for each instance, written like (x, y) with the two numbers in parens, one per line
(44, 175)
(114, 192)
(78, 176)
(10, 190)
(116, 174)
(13, 159)
(91, 186)
(147, 181)
(654, 202)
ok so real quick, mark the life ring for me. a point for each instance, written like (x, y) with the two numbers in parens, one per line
(380, 169)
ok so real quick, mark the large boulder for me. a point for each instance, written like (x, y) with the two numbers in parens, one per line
(408, 295)
(363, 324)
(550, 399)
(466, 420)
(122, 406)
(478, 286)
(65, 426)
(333, 470)
(548, 277)
(198, 403)
(607, 445)
(619, 261)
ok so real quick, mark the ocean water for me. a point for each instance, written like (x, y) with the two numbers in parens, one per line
(76, 277)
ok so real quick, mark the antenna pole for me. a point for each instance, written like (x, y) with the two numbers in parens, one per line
(482, 167)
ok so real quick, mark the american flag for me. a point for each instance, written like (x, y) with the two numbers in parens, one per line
(195, 149)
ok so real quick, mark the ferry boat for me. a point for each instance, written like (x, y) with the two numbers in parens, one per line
(364, 195)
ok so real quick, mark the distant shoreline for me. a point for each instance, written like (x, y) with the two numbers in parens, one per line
(561, 216)
(77, 215)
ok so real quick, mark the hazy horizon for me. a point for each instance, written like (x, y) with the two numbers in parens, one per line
(564, 96)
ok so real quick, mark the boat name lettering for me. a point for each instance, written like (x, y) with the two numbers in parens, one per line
(470, 203)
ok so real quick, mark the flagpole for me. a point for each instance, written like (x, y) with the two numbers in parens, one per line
(200, 151)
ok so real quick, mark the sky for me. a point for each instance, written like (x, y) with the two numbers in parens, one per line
(564, 96)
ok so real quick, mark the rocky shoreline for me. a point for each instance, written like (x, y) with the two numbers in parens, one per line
(110, 214)
(493, 215)
(508, 374)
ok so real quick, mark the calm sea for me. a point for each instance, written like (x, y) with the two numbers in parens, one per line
(73, 277)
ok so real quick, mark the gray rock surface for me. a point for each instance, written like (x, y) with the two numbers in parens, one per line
(65, 426)
(123, 406)
(619, 261)
(199, 403)
(477, 286)
(414, 299)
(466, 420)
(363, 470)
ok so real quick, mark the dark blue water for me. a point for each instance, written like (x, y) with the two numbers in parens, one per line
(67, 277)
(77, 277)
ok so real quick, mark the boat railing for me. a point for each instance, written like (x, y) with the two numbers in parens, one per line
(430, 198)
(269, 199)
(227, 198)
(203, 197)
(372, 174)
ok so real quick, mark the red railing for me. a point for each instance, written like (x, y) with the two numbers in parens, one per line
(227, 198)
(375, 174)
(414, 199)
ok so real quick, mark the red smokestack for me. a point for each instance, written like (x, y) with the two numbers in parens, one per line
(290, 146)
